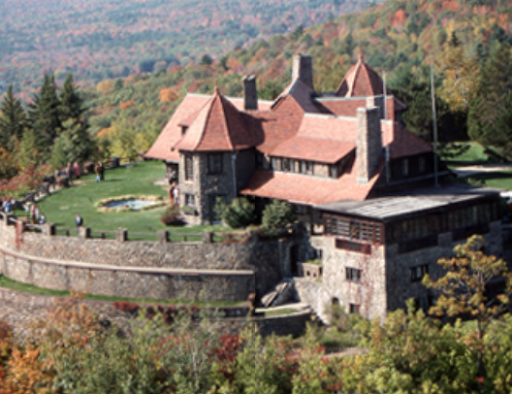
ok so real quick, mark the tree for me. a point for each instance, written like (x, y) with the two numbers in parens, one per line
(44, 114)
(206, 60)
(12, 121)
(464, 291)
(71, 105)
(277, 215)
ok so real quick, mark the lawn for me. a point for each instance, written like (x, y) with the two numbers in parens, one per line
(62, 206)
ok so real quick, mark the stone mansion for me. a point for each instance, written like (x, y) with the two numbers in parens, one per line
(362, 183)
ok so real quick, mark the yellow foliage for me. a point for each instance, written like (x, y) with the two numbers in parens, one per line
(105, 86)
(168, 95)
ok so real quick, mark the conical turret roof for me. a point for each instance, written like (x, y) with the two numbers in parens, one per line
(361, 81)
(218, 126)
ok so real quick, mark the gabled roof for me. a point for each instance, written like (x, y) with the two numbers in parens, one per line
(218, 126)
(361, 81)
(321, 138)
(403, 143)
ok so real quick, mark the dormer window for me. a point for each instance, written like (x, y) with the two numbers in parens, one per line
(183, 130)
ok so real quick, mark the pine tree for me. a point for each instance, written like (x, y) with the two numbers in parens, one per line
(71, 105)
(12, 121)
(44, 116)
(77, 142)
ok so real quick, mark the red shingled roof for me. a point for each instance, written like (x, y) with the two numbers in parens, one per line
(402, 142)
(306, 189)
(171, 133)
(321, 138)
(361, 81)
(219, 126)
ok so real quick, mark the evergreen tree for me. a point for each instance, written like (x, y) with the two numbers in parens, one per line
(12, 121)
(71, 104)
(44, 114)
(490, 113)
(77, 142)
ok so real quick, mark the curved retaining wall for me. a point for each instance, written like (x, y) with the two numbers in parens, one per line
(20, 310)
(159, 270)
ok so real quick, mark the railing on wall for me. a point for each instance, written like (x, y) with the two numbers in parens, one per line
(123, 235)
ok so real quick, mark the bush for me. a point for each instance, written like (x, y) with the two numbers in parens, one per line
(171, 216)
(240, 213)
(277, 215)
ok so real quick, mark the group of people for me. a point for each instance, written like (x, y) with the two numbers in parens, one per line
(34, 214)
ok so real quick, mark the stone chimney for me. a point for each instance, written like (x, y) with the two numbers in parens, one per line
(369, 143)
(303, 69)
(250, 92)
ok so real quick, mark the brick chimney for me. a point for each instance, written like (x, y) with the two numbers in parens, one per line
(250, 92)
(303, 69)
(369, 143)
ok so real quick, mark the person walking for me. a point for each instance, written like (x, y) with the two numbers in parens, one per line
(97, 170)
(79, 221)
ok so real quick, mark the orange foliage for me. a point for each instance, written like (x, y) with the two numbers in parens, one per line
(105, 132)
(168, 95)
(127, 104)
(399, 19)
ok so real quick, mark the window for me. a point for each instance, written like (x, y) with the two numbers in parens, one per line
(299, 209)
(353, 274)
(190, 200)
(306, 167)
(275, 163)
(422, 164)
(405, 167)
(189, 168)
(353, 308)
(184, 130)
(333, 171)
(285, 165)
(418, 272)
(215, 163)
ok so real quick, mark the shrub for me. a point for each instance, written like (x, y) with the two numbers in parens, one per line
(240, 213)
(277, 215)
(171, 216)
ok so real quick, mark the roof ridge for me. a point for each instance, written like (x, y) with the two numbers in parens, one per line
(224, 118)
(210, 102)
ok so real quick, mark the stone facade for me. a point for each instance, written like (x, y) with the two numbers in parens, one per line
(369, 143)
(386, 280)
(208, 187)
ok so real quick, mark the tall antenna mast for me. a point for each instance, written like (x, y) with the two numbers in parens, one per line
(434, 120)
(384, 92)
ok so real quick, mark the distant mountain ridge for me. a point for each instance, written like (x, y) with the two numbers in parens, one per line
(100, 39)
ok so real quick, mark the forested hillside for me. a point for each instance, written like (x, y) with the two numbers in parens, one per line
(99, 39)
(468, 44)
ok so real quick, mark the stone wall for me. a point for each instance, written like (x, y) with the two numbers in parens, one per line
(21, 310)
(163, 270)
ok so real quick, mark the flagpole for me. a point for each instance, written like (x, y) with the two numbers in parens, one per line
(434, 120)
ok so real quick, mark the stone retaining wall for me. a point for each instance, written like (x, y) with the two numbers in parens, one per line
(159, 270)
(21, 310)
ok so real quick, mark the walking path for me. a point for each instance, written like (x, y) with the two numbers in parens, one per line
(479, 169)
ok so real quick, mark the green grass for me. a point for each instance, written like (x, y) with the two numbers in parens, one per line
(62, 206)
(278, 312)
(498, 179)
(31, 289)
(471, 153)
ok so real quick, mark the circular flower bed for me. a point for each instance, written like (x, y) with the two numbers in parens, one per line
(130, 203)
